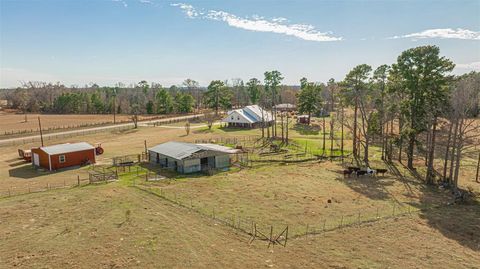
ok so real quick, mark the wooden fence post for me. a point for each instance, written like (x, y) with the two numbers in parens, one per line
(271, 236)
(78, 180)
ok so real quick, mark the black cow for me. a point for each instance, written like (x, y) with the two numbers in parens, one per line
(353, 168)
(381, 171)
(347, 173)
(361, 173)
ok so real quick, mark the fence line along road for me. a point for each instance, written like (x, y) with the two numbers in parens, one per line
(33, 138)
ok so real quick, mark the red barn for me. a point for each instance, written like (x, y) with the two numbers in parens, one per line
(63, 155)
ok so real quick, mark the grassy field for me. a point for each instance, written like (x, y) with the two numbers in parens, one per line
(298, 195)
(117, 226)
(111, 226)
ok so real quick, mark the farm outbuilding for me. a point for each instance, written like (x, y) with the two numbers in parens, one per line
(189, 158)
(285, 107)
(303, 119)
(248, 117)
(63, 155)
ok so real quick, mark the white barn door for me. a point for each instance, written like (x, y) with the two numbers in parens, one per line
(36, 159)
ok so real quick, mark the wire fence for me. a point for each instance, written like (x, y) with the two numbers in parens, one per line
(274, 231)
(74, 133)
(263, 150)
(63, 127)
(67, 183)
(49, 137)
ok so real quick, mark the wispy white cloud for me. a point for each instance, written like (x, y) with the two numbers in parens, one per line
(444, 33)
(189, 10)
(124, 3)
(145, 1)
(259, 24)
(472, 66)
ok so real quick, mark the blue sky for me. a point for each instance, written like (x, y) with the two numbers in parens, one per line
(109, 41)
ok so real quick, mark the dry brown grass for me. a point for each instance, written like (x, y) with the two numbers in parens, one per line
(301, 194)
(88, 227)
(16, 122)
(110, 226)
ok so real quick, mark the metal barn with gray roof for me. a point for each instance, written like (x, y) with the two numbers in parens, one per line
(190, 158)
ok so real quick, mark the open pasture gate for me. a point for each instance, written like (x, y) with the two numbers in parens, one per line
(279, 239)
(102, 176)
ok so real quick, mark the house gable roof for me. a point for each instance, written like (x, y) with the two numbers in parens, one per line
(251, 114)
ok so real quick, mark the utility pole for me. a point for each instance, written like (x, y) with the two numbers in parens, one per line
(41, 133)
(478, 168)
(114, 104)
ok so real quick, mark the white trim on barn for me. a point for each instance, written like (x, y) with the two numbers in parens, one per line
(249, 116)
(190, 158)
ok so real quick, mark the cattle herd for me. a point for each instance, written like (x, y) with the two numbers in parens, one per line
(357, 171)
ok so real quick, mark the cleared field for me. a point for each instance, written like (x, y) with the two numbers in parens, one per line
(110, 226)
(11, 122)
(115, 226)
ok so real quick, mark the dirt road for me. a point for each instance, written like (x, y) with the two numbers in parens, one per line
(19, 140)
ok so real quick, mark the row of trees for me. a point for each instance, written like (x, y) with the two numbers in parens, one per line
(142, 98)
(413, 106)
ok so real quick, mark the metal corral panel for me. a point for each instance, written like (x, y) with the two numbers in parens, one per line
(222, 161)
(191, 166)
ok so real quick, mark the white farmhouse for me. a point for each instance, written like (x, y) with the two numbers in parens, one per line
(248, 117)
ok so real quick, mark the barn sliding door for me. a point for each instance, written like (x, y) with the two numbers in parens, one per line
(36, 159)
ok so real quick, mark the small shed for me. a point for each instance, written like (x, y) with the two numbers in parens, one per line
(303, 119)
(189, 158)
(285, 107)
(63, 155)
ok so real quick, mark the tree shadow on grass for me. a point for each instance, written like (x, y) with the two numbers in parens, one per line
(203, 131)
(407, 183)
(372, 187)
(235, 129)
(125, 131)
(304, 129)
(457, 222)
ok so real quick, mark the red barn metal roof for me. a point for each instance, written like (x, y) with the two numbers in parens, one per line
(66, 148)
